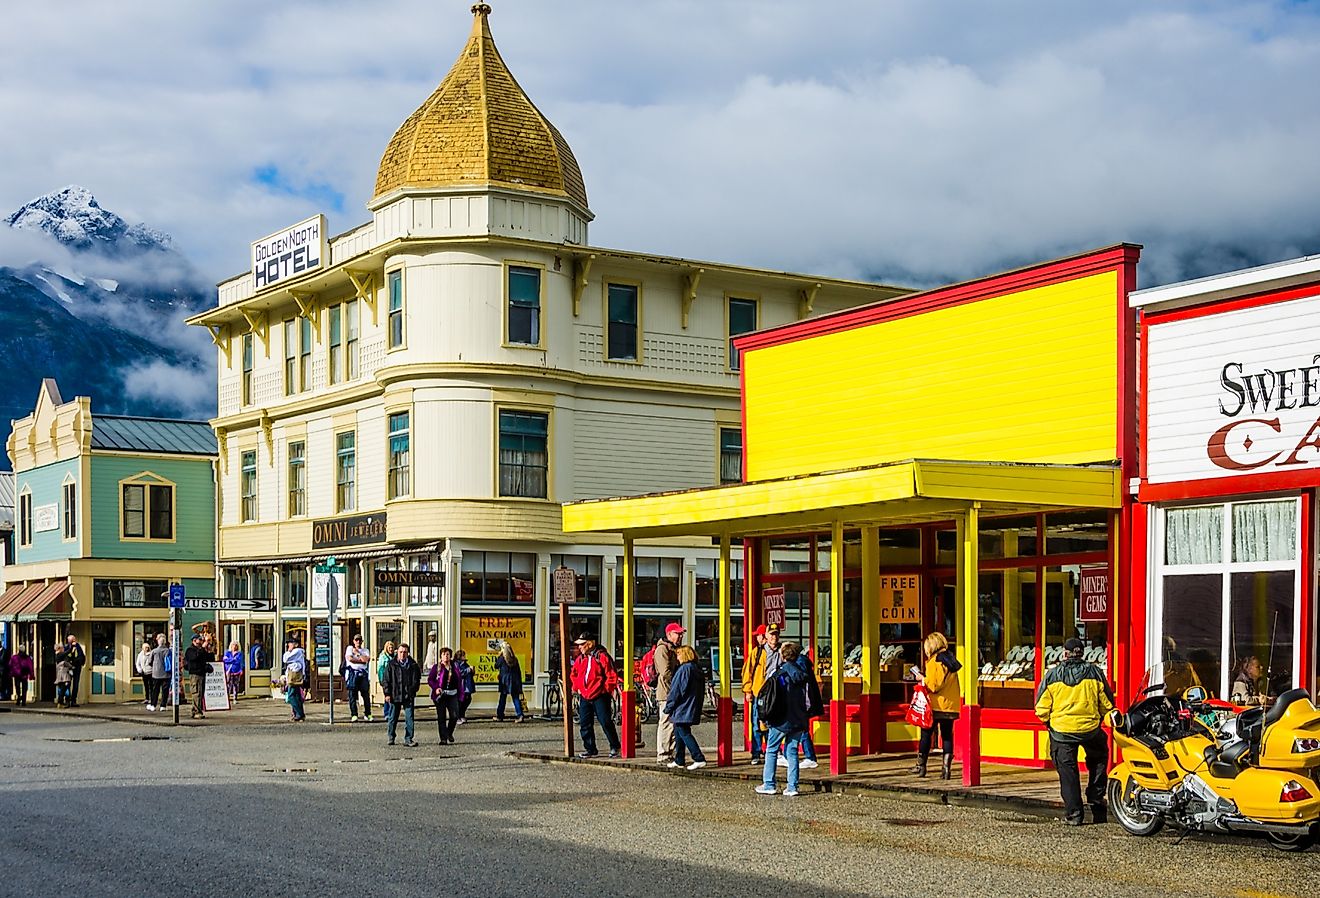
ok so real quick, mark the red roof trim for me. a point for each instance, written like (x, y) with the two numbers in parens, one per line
(1042, 274)
(1222, 487)
(1214, 307)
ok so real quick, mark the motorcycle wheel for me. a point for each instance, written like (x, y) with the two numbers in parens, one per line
(1299, 842)
(1128, 814)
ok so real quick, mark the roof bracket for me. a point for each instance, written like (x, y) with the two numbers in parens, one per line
(268, 429)
(307, 309)
(690, 281)
(222, 444)
(807, 300)
(219, 338)
(581, 269)
(259, 324)
(364, 288)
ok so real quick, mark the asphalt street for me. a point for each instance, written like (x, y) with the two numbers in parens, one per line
(125, 809)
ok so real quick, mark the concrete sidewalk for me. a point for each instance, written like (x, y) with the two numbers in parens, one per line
(245, 712)
(1029, 791)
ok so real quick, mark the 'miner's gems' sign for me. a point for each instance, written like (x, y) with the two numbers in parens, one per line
(293, 251)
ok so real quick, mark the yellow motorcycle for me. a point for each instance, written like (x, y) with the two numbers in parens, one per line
(1193, 763)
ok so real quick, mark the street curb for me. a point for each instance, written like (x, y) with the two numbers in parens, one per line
(844, 785)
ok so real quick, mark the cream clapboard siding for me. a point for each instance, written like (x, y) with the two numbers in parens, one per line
(320, 468)
(641, 449)
(454, 440)
(372, 458)
(1184, 396)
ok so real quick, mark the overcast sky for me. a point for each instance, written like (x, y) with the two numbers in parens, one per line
(909, 142)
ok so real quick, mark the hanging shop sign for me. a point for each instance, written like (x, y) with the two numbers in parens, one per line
(289, 253)
(900, 599)
(354, 530)
(772, 606)
(1093, 594)
(1234, 393)
(46, 517)
(388, 579)
(481, 636)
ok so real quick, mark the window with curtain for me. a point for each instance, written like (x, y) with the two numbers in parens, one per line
(290, 357)
(351, 336)
(1194, 535)
(1265, 531)
(400, 476)
(730, 455)
(524, 307)
(524, 460)
(305, 354)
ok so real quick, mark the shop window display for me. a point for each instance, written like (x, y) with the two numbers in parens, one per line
(656, 581)
(588, 575)
(498, 578)
(1228, 583)
(708, 584)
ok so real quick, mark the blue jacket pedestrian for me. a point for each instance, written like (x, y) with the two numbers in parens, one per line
(687, 692)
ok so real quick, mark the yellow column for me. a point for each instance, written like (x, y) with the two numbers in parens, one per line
(629, 703)
(968, 736)
(838, 709)
(724, 714)
(872, 724)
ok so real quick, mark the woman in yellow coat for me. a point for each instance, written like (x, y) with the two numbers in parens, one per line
(941, 681)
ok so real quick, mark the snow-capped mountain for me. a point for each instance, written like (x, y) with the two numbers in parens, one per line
(99, 304)
(74, 218)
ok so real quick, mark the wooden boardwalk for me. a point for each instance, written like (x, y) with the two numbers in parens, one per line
(1027, 789)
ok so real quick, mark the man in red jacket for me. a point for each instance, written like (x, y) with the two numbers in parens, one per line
(594, 680)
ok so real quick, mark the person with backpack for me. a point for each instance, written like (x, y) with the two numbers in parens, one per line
(594, 680)
(786, 707)
(808, 759)
(356, 679)
(687, 690)
(753, 677)
(447, 693)
(658, 668)
(469, 675)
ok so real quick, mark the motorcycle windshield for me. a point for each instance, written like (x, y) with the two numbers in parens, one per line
(1173, 677)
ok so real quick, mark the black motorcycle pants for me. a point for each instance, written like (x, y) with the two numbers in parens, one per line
(1064, 755)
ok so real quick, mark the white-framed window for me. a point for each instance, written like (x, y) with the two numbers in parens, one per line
(70, 495)
(249, 359)
(25, 517)
(248, 486)
(346, 471)
(743, 317)
(335, 359)
(523, 315)
(146, 508)
(1226, 586)
(297, 479)
(290, 357)
(400, 467)
(394, 322)
(622, 322)
(352, 333)
(305, 354)
(524, 460)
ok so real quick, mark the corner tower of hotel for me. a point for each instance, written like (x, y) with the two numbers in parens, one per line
(956, 461)
(417, 396)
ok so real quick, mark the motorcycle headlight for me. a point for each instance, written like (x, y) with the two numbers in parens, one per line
(1305, 745)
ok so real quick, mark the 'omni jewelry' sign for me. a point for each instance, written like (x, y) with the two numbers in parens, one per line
(355, 530)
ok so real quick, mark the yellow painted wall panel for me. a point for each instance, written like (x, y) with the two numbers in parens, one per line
(901, 732)
(1018, 744)
(990, 380)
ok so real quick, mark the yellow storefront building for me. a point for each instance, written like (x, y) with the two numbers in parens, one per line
(952, 461)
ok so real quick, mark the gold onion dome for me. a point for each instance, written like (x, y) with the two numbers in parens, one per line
(479, 128)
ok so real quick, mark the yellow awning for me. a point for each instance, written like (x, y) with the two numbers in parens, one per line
(894, 493)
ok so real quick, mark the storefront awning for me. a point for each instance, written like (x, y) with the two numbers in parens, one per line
(50, 603)
(904, 492)
(15, 597)
(323, 554)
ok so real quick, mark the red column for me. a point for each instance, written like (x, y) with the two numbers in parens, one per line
(724, 733)
(967, 739)
(838, 734)
(628, 734)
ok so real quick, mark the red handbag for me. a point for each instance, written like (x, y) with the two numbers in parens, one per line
(918, 710)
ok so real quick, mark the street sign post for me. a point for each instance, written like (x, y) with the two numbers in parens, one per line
(329, 577)
(178, 598)
(230, 604)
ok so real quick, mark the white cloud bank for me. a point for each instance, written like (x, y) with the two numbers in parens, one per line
(913, 142)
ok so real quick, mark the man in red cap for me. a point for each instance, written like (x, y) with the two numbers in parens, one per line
(665, 665)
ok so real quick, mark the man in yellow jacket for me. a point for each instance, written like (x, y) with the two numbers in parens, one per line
(1073, 700)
